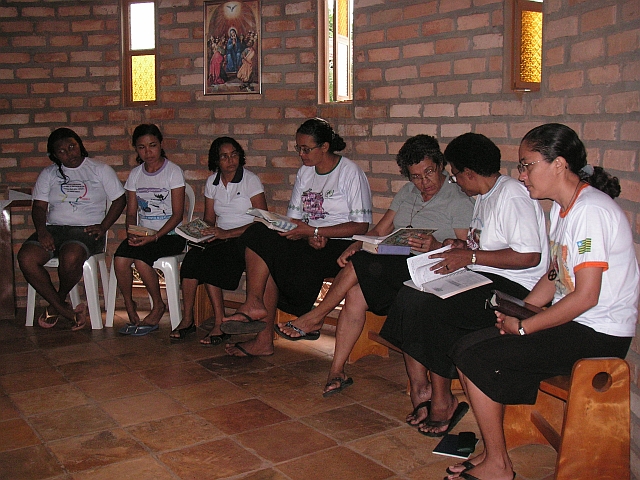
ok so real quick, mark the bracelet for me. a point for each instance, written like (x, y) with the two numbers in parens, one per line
(156, 237)
(473, 258)
(315, 233)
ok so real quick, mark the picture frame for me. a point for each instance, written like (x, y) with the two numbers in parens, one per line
(232, 47)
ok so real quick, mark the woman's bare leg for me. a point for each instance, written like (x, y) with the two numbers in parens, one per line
(124, 275)
(496, 463)
(257, 278)
(421, 389)
(350, 324)
(150, 279)
(217, 302)
(314, 319)
(189, 288)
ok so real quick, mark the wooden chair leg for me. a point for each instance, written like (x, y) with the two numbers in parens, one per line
(365, 345)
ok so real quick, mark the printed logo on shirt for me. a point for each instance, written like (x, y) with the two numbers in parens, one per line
(312, 206)
(584, 246)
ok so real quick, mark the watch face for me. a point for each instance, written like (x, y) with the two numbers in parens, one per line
(521, 331)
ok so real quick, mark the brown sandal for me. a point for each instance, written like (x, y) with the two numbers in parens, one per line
(48, 321)
(81, 317)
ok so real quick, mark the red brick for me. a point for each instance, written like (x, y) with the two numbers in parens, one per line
(566, 81)
(401, 73)
(554, 56)
(8, 12)
(435, 69)
(437, 27)
(104, 101)
(384, 54)
(623, 42)
(625, 160)
(9, 58)
(16, 148)
(484, 42)
(279, 59)
(28, 103)
(50, 117)
(279, 26)
(432, 110)
(387, 129)
(422, 9)
(76, 11)
(368, 74)
(403, 33)
(565, 27)
(69, 72)
(66, 102)
(587, 51)
(387, 15)
(417, 90)
(380, 93)
(66, 41)
(473, 109)
(451, 45)
(14, 88)
(101, 40)
(87, 26)
(453, 87)
(26, 178)
(418, 50)
(472, 22)
(625, 102)
(630, 190)
(16, 27)
(599, 131)
(469, 65)
(379, 166)
(600, 18)
(549, 107)
(607, 74)
(585, 105)
(453, 5)
(87, 116)
(295, 78)
(490, 85)
(631, 72)
(29, 41)
(37, 12)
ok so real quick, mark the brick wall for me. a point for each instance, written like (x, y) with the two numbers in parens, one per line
(433, 67)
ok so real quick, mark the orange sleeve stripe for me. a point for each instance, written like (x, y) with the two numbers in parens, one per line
(603, 265)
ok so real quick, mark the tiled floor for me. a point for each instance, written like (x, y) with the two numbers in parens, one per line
(96, 405)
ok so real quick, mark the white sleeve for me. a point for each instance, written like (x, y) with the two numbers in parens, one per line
(295, 204)
(111, 183)
(43, 186)
(176, 177)
(254, 185)
(359, 198)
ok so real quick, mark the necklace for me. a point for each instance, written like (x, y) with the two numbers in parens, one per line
(573, 197)
(413, 214)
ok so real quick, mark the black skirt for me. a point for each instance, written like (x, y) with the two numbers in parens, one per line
(165, 246)
(426, 327)
(297, 269)
(509, 368)
(220, 263)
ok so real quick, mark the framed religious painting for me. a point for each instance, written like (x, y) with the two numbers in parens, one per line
(232, 50)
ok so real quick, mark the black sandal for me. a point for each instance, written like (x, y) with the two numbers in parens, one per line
(215, 340)
(183, 332)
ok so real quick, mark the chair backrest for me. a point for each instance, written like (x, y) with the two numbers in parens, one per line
(191, 198)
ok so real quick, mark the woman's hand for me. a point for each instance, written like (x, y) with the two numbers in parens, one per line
(318, 242)
(507, 325)
(46, 240)
(96, 231)
(217, 232)
(302, 230)
(139, 240)
(455, 243)
(423, 243)
(347, 254)
(452, 259)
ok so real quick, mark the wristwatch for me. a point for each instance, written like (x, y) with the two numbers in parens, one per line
(315, 233)
(521, 328)
(473, 258)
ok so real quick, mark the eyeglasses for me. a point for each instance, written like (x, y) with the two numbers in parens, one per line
(305, 150)
(428, 173)
(229, 156)
(524, 166)
(453, 178)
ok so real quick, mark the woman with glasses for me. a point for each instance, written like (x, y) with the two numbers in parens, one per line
(506, 242)
(591, 281)
(71, 220)
(371, 282)
(219, 263)
(330, 202)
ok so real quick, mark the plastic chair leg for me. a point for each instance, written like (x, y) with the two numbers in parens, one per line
(170, 269)
(31, 305)
(110, 300)
(90, 274)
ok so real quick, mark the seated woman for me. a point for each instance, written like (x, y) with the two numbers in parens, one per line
(371, 282)
(330, 201)
(155, 200)
(593, 286)
(507, 242)
(229, 193)
(70, 216)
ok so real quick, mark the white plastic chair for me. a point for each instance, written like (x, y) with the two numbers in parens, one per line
(90, 277)
(170, 268)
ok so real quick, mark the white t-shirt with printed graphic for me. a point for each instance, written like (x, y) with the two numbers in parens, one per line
(340, 196)
(82, 199)
(507, 217)
(231, 203)
(153, 193)
(595, 232)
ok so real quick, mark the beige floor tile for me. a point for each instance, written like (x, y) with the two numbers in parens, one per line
(70, 422)
(142, 408)
(116, 386)
(75, 353)
(205, 395)
(46, 399)
(242, 416)
(95, 449)
(219, 459)
(8, 409)
(89, 369)
(350, 422)
(274, 443)
(225, 365)
(16, 433)
(263, 382)
(20, 362)
(337, 464)
(304, 401)
(174, 432)
(30, 380)
(144, 468)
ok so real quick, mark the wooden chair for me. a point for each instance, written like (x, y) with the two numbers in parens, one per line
(584, 417)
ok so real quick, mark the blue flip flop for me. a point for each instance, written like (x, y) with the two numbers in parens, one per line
(128, 329)
(144, 330)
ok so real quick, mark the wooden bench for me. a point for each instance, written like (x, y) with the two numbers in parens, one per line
(584, 417)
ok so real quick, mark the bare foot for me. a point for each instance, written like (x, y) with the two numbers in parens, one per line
(455, 470)
(419, 400)
(305, 326)
(81, 312)
(495, 471)
(214, 337)
(248, 349)
(336, 383)
(439, 417)
(244, 316)
(132, 313)
(155, 315)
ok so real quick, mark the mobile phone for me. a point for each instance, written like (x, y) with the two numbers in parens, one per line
(467, 442)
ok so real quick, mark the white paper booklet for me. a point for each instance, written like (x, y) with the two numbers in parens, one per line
(443, 286)
(273, 220)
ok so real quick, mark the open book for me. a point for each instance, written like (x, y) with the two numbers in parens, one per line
(441, 285)
(396, 243)
(273, 220)
(512, 306)
(193, 230)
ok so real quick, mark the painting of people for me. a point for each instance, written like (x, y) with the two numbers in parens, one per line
(232, 47)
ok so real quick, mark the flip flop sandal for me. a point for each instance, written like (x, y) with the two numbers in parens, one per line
(415, 411)
(47, 321)
(314, 335)
(128, 329)
(468, 476)
(466, 464)
(215, 340)
(461, 410)
(183, 332)
(81, 312)
(238, 327)
(142, 330)
(342, 384)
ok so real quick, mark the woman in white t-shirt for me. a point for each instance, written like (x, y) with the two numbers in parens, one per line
(155, 201)
(330, 201)
(592, 282)
(219, 262)
(71, 219)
